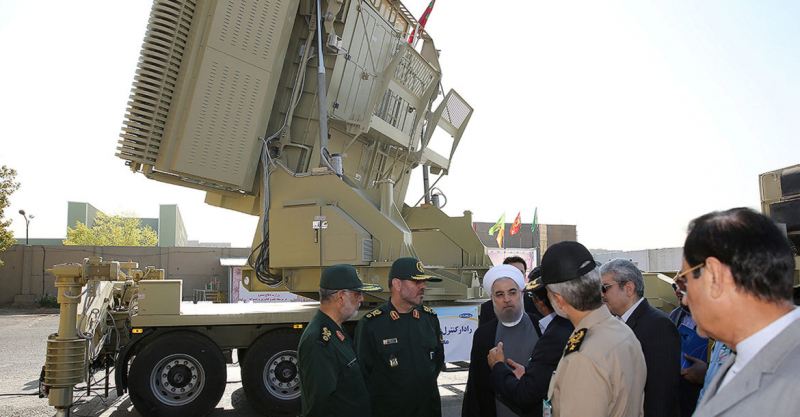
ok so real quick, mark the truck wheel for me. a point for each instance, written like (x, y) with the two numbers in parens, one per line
(270, 377)
(177, 374)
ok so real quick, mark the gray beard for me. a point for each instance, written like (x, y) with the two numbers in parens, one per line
(352, 314)
(509, 316)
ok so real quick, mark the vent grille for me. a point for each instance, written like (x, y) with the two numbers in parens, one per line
(155, 80)
(456, 111)
(414, 73)
(366, 250)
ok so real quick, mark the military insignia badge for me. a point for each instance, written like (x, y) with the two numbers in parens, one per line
(393, 361)
(326, 334)
(533, 284)
(419, 267)
(415, 313)
(340, 335)
(390, 341)
(574, 342)
(428, 310)
(394, 315)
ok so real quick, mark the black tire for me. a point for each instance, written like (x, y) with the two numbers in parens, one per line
(270, 377)
(177, 374)
(240, 354)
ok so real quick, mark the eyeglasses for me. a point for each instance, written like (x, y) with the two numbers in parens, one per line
(680, 279)
(605, 287)
(357, 293)
(511, 293)
(683, 274)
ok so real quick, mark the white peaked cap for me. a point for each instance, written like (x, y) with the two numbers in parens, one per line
(502, 271)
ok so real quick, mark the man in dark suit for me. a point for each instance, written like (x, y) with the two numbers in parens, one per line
(524, 389)
(486, 312)
(623, 292)
(512, 327)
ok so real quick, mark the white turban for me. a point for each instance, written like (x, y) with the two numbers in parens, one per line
(502, 271)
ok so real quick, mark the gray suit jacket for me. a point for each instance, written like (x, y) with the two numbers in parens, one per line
(769, 385)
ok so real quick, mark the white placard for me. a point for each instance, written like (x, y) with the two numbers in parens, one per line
(458, 325)
(240, 293)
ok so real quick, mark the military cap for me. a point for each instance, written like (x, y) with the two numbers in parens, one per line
(535, 273)
(411, 269)
(533, 284)
(344, 277)
(566, 261)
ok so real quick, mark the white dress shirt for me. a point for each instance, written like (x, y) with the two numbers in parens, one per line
(748, 348)
(628, 313)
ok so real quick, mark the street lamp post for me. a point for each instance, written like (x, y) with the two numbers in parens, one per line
(27, 223)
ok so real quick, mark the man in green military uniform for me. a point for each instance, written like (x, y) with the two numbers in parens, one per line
(330, 376)
(400, 347)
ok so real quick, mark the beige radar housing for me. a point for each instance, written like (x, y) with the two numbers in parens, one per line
(780, 201)
(226, 99)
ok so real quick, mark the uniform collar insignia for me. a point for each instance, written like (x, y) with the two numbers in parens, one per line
(574, 342)
(415, 313)
(340, 335)
(394, 315)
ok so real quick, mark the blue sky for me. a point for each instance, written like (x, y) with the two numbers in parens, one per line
(626, 118)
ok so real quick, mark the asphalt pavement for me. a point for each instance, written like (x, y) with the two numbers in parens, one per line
(23, 337)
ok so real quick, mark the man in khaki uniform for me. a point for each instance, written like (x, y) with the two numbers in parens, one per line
(602, 372)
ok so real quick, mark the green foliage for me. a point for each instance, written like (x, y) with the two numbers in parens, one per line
(7, 186)
(113, 230)
(48, 301)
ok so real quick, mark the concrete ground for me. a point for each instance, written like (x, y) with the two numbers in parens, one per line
(23, 337)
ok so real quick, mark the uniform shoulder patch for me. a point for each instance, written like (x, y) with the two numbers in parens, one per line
(373, 313)
(574, 342)
(428, 310)
(324, 336)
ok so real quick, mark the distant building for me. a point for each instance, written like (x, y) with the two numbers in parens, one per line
(169, 226)
(648, 260)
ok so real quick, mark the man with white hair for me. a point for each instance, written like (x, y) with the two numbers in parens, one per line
(623, 293)
(512, 326)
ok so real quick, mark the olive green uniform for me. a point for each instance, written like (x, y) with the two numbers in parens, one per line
(330, 376)
(401, 356)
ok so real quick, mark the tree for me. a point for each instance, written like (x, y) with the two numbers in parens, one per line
(113, 230)
(7, 186)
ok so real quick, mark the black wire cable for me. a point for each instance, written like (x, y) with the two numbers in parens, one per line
(261, 265)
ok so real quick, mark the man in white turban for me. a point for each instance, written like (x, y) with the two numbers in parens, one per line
(512, 327)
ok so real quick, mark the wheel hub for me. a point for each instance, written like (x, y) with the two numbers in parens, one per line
(281, 377)
(179, 376)
(177, 379)
(286, 371)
